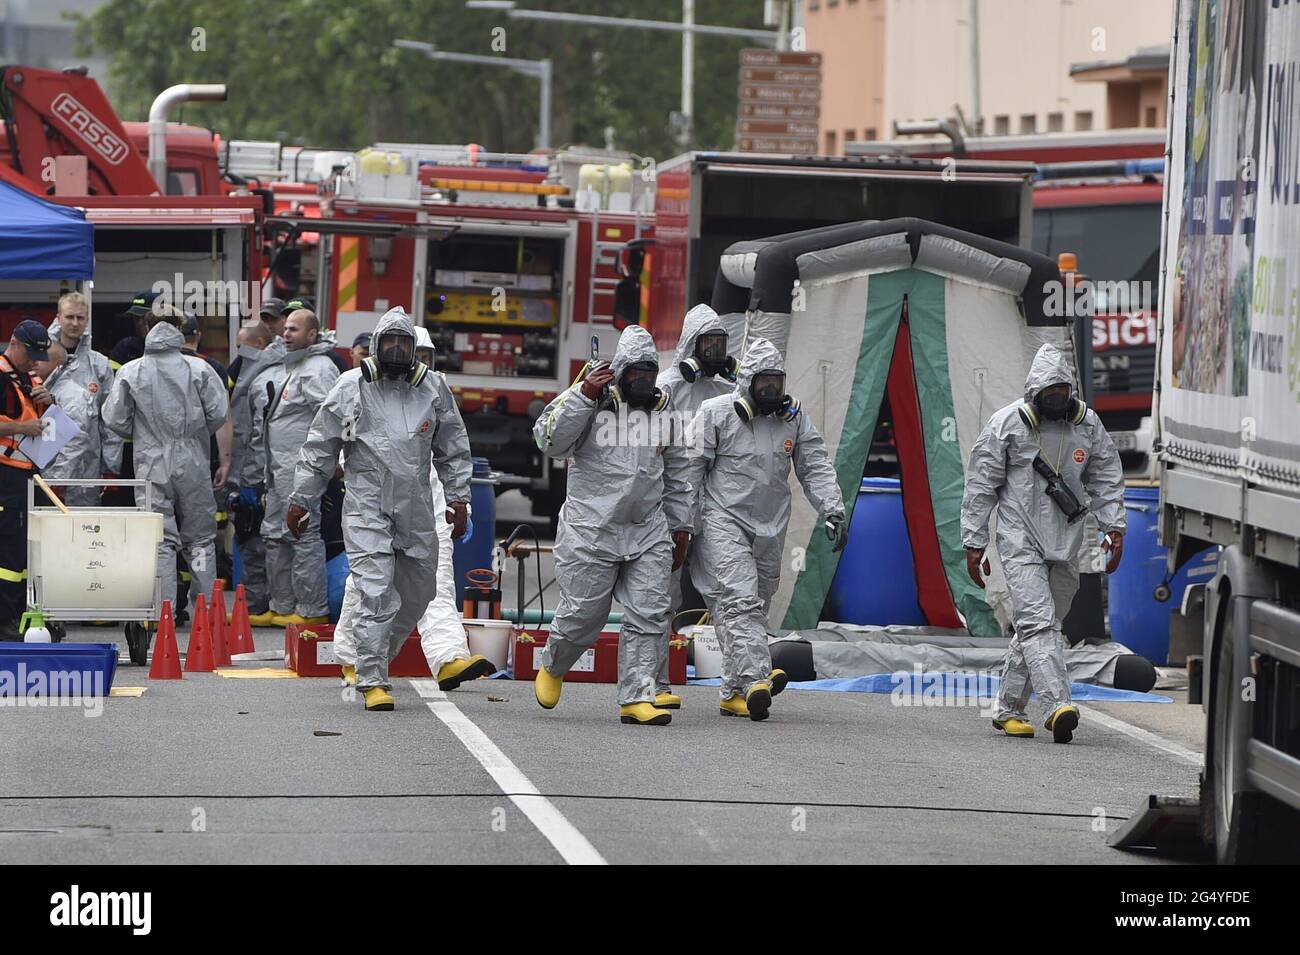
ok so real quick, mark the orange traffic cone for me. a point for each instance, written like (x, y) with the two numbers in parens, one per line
(241, 629)
(217, 618)
(199, 655)
(166, 658)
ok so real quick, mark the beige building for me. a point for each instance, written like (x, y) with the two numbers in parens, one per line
(1044, 65)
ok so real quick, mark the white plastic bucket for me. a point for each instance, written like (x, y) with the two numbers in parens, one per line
(708, 653)
(490, 638)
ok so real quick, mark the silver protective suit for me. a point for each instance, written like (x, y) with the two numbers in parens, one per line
(248, 403)
(687, 398)
(626, 494)
(389, 430)
(1036, 544)
(742, 471)
(296, 568)
(169, 405)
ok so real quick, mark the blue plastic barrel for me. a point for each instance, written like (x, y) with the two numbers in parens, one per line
(876, 581)
(477, 551)
(1137, 619)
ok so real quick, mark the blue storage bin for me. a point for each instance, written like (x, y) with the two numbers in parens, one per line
(70, 669)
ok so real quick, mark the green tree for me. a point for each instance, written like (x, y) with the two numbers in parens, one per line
(325, 73)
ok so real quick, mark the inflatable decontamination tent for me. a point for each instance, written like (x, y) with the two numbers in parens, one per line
(942, 322)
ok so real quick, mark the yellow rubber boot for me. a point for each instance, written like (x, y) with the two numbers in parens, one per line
(547, 688)
(349, 675)
(1015, 727)
(378, 699)
(453, 674)
(733, 706)
(668, 701)
(778, 680)
(1063, 722)
(644, 714)
(759, 700)
(262, 619)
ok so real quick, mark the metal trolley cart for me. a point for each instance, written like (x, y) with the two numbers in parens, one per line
(97, 563)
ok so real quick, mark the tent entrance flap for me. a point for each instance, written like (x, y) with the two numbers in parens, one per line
(909, 441)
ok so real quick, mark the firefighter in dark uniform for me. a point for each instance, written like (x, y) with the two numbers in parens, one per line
(22, 400)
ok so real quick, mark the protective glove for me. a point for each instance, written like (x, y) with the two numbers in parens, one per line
(975, 562)
(296, 519)
(457, 518)
(1113, 544)
(837, 532)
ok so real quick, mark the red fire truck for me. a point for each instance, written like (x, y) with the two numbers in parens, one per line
(511, 261)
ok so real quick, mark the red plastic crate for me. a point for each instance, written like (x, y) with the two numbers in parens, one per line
(309, 651)
(597, 665)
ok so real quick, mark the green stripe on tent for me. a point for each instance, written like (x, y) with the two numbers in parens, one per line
(927, 322)
(884, 306)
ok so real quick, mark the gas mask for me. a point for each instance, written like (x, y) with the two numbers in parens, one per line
(636, 386)
(1053, 402)
(768, 391)
(395, 353)
(767, 397)
(710, 358)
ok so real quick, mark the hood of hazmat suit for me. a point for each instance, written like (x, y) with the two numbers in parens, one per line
(1049, 367)
(689, 395)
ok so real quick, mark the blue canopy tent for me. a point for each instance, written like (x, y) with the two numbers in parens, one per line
(41, 240)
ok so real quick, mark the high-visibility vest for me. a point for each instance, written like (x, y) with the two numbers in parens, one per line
(10, 455)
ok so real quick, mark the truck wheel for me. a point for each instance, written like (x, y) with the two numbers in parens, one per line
(1247, 827)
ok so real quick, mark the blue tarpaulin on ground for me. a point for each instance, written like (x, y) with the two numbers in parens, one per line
(938, 686)
(41, 240)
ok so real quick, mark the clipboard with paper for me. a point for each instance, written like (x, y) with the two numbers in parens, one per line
(57, 429)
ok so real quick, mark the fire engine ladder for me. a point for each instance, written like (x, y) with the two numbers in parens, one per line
(607, 254)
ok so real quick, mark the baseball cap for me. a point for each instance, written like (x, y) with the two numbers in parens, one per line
(297, 302)
(34, 336)
(142, 304)
(362, 340)
(273, 307)
(190, 324)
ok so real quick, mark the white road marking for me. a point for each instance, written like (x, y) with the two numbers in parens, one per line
(1144, 736)
(571, 844)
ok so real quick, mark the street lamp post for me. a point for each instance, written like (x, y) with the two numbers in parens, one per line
(539, 69)
(688, 28)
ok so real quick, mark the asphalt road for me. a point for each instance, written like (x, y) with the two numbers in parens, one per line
(214, 769)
